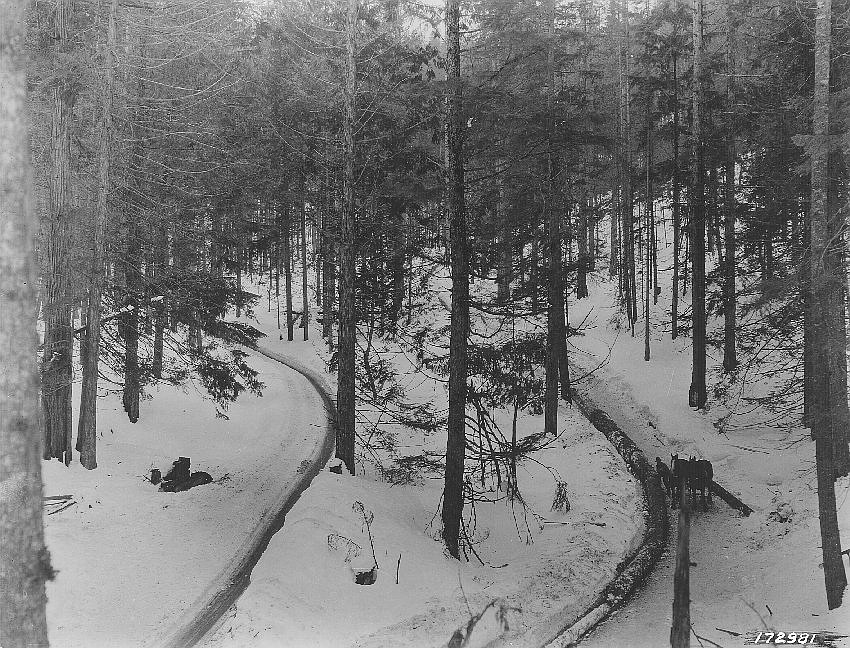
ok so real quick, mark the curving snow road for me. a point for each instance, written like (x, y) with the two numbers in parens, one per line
(137, 567)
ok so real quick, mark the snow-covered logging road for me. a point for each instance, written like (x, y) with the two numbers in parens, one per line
(138, 567)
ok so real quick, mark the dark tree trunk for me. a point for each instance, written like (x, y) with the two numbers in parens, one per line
(305, 305)
(130, 322)
(834, 264)
(285, 237)
(345, 435)
(556, 328)
(25, 560)
(697, 394)
(629, 285)
(730, 358)
(87, 424)
(616, 157)
(329, 286)
(504, 269)
(239, 236)
(583, 254)
(677, 197)
(58, 336)
(650, 231)
(823, 287)
(397, 263)
(456, 207)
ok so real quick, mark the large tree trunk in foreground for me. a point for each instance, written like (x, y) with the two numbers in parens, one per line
(456, 444)
(25, 563)
(87, 424)
(697, 394)
(824, 284)
(347, 315)
(58, 334)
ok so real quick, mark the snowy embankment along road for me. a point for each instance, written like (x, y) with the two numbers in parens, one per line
(136, 566)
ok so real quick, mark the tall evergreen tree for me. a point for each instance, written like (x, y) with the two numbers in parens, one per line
(453, 493)
(825, 285)
(697, 394)
(347, 270)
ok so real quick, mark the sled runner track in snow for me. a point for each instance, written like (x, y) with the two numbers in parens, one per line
(204, 613)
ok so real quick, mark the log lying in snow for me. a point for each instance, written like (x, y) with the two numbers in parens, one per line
(568, 626)
(730, 499)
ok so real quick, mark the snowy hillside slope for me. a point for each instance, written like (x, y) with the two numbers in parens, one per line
(750, 571)
(302, 592)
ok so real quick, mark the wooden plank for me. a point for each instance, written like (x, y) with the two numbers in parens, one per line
(680, 632)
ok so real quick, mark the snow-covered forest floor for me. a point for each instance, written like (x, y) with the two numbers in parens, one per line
(131, 559)
(303, 593)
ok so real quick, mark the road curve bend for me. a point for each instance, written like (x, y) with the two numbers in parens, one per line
(222, 592)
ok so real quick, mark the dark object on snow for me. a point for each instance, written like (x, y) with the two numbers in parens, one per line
(179, 470)
(179, 478)
(694, 474)
(337, 467)
(665, 474)
(156, 476)
(701, 476)
(366, 577)
(195, 479)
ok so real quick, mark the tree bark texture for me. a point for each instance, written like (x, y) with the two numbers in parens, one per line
(697, 394)
(305, 304)
(58, 335)
(87, 424)
(130, 320)
(677, 198)
(629, 285)
(730, 358)
(823, 290)
(286, 235)
(556, 325)
(25, 563)
(347, 314)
